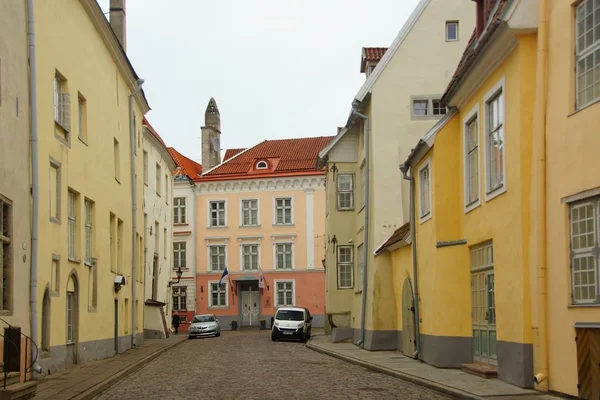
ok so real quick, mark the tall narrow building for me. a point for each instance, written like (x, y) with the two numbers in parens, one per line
(211, 136)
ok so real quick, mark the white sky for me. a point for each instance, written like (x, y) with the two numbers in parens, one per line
(277, 68)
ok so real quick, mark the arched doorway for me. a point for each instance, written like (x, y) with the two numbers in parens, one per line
(72, 320)
(46, 320)
(408, 319)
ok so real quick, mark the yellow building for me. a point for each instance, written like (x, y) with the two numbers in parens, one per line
(569, 214)
(472, 178)
(86, 282)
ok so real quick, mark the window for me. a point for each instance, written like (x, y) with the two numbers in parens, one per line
(284, 256)
(89, 207)
(145, 157)
(167, 188)
(158, 183)
(420, 108)
(284, 293)
(119, 246)
(250, 257)
(113, 235)
(72, 227)
(283, 211)
(495, 142)
(165, 243)
(217, 258)
(363, 188)
(179, 210)
(6, 251)
(345, 195)
(585, 250)
(217, 213)
(55, 183)
(117, 161)
(451, 31)
(425, 191)
(345, 267)
(361, 265)
(179, 298)
(438, 107)
(82, 120)
(179, 255)
(70, 312)
(156, 238)
(261, 165)
(472, 161)
(62, 108)
(587, 58)
(218, 295)
(249, 212)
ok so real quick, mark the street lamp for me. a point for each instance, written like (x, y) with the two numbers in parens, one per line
(179, 273)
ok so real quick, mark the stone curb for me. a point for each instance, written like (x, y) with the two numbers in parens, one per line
(101, 387)
(407, 377)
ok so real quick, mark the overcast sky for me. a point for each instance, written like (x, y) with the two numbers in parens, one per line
(277, 68)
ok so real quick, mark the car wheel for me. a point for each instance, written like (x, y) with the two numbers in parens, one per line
(303, 337)
(190, 337)
(273, 338)
(218, 334)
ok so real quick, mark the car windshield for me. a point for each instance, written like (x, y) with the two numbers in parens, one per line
(203, 318)
(289, 315)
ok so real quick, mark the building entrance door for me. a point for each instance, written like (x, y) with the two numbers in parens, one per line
(408, 320)
(250, 308)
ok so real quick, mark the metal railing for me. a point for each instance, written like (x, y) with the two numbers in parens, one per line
(9, 356)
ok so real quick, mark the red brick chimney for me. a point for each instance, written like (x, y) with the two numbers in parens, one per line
(480, 17)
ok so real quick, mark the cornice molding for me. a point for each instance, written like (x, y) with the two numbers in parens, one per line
(261, 185)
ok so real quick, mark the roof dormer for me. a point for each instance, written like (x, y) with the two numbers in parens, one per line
(370, 57)
(261, 164)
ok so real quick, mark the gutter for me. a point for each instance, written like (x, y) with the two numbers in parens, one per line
(405, 168)
(35, 184)
(366, 252)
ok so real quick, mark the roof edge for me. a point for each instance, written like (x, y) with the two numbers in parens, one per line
(428, 140)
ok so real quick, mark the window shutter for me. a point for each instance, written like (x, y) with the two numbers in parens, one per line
(65, 118)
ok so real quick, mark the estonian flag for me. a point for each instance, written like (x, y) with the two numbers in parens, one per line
(225, 273)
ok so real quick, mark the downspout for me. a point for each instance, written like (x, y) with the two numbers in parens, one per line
(539, 145)
(366, 253)
(413, 233)
(35, 184)
(139, 83)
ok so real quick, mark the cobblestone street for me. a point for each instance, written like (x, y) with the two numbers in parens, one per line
(247, 365)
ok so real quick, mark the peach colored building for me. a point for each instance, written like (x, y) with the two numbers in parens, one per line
(260, 214)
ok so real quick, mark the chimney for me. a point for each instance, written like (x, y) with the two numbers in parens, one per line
(480, 18)
(118, 21)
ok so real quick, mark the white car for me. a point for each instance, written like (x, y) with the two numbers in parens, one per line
(292, 322)
(204, 325)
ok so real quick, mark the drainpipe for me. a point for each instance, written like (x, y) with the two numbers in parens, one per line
(355, 105)
(35, 184)
(404, 168)
(139, 83)
(539, 145)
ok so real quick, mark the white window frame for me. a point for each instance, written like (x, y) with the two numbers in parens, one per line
(145, 162)
(180, 210)
(360, 266)
(470, 117)
(275, 254)
(583, 54)
(430, 111)
(291, 198)
(179, 258)
(224, 286)
(209, 213)
(338, 192)
(500, 87)
(276, 292)
(72, 232)
(363, 178)
(243, 266)
(448, 23)
(88, 207)
(179, 287)
(261, 162)
(209, 255)
(257, 211)
(158, 177)
(425, 165)
(350, 264)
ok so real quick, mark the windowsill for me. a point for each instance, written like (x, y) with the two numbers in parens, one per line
(158, 194)
(181, 224)
(361, 209)
(472, 206)
(182, 269)
(593, 103)
(92, 309)
(215, 272)
(345, 209)
(590, 305)
(89, 264)
(283, 269)
(146, 184)
(452, 40)
(358, 291)
(425, 218)
(82, 140)
(217, 227)
(495, 193)
(118, 181)
(292, 224)
(426, 117)
(6, 313)
(346, 288)
(218, 307)
(55, 220)
(249, 226)
(74, 261)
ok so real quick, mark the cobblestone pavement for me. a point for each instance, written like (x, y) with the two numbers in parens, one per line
(247, 365)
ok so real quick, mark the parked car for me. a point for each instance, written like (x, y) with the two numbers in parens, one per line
(204, 325)
(292, 323)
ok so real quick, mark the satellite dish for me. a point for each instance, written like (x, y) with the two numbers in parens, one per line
(214, 142)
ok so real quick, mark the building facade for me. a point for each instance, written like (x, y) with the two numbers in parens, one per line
(86, 153)
(183, 290)
(367, 198)
(157, 175)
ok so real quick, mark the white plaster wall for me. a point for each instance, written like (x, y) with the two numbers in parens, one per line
(183, 188)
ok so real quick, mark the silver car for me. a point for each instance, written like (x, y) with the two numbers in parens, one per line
(204, 325)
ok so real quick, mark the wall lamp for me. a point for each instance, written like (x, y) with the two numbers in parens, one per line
(179, 273)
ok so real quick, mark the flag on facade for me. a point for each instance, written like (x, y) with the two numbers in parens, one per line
(261, 278)
(225, 273)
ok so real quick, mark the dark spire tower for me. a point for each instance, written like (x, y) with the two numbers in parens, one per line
(211, 136)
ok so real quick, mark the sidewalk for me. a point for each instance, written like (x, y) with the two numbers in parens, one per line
(88, 380)
(450, 381)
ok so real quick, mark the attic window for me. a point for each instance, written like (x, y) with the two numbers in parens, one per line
(261, 165)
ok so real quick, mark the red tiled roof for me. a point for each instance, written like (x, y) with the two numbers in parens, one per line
(154, 133)
(283, 156)
(474, 48)
(186, 166)
(231, 152)
(371, 54)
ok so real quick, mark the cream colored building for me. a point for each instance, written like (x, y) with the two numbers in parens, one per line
(87, 288)
(157, 175)
(398, 102)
